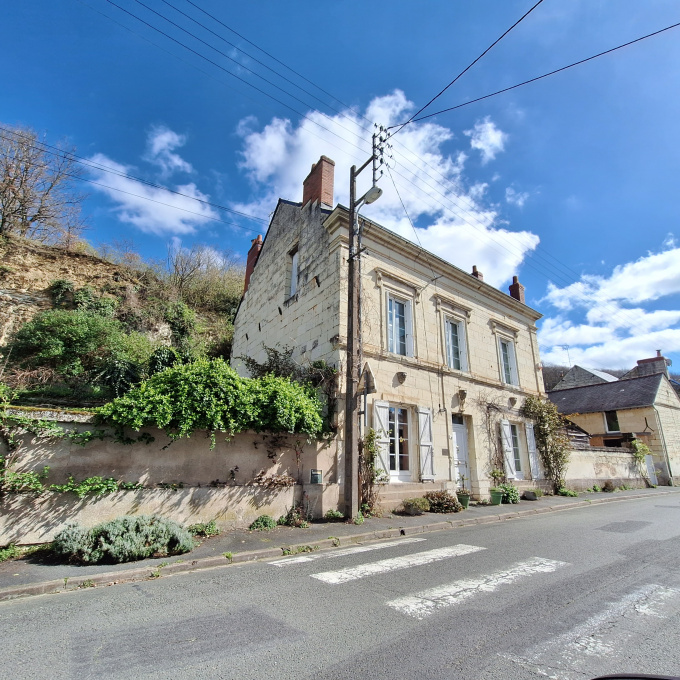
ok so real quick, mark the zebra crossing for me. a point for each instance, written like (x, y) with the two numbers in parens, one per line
(422, 604)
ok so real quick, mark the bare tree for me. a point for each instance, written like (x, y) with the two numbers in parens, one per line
(205, 277)
(38, 198)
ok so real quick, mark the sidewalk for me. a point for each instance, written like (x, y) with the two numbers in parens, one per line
(29, 576)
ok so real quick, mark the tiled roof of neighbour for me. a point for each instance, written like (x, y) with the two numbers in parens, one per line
(610, 396)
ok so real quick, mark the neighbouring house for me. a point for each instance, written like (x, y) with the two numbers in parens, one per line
(641, 405)
(577, 376)
(448, 359)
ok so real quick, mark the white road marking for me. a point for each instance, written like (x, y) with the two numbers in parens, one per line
(591, 647)
(426, 602)
(414, 560)
(341, 552)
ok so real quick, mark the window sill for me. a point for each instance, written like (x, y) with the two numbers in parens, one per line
(290, 300)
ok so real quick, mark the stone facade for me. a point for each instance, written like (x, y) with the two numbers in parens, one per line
(445, 405)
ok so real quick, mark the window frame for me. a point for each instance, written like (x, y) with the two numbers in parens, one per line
(512, 361)
(606, 422)
(294, 256)
(461, 332)
(409, 344)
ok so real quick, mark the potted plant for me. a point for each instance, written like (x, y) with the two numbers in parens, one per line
(463, 493)
(496, 495)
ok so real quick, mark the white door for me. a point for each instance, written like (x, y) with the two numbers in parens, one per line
(400, 443)
(461, 461)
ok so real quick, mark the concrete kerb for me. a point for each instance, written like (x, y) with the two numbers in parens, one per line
(180, 566)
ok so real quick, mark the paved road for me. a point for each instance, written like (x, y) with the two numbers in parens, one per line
(569, 595)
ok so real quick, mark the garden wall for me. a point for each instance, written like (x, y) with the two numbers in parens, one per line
(184, 480)
(597, 464)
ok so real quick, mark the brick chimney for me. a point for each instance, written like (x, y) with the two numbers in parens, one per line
(476, 273)
(253, 254)
(319, 183)
(517, 289)
(657, 364)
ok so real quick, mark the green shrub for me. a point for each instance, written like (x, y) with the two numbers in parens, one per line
(333, 515)
(563, 491)
(6, 394)
(162, 358)
(416, 506)
(596, 488)
(295, 517)
(204, 529)
(122, 540)
(510, 493)
(443, 501)
(60, 290)
(209, 395)
(9, 552)
(263, 523)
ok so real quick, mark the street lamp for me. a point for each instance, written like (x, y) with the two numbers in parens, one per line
(354, 329)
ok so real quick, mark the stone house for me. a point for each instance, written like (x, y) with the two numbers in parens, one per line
(641, 405)
(448, 359)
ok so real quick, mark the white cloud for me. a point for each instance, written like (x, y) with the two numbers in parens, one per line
(610, 331)
(518, 198)
(431, 182)
(150, 209)
(487, 139)
(161, 142)
(651, 277)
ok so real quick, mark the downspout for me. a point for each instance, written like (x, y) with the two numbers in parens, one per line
(665, 448)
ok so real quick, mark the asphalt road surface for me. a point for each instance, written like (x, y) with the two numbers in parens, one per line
(568, 595)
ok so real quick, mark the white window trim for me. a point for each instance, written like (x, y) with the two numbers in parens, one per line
(512, 357)
(606, 424)
(408, 320)
(462, 342)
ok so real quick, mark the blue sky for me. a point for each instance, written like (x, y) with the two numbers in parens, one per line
(571, 182)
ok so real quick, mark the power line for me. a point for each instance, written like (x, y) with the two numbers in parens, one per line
(447, 198)
(114, 171)
(469, 66)
(533, 80)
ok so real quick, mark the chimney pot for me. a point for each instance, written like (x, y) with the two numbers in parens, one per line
(318, 185)
(253, 254)
(476, 273)
(517, 289)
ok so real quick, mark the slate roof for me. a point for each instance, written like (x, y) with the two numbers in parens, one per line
(611, 396)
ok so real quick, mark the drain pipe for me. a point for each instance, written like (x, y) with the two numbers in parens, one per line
(665, 448)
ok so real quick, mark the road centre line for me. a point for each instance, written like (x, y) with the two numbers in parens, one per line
(426, 602)
(393, 563)
(341, 552)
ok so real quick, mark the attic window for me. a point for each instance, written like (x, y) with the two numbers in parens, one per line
(612, 421)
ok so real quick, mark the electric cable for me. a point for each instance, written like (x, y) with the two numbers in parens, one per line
(533, 80)
(469, 66)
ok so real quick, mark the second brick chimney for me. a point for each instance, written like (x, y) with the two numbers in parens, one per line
(517, 289)
(318, 186)
(253, 254)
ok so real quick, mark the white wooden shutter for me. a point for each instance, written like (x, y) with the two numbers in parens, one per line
(381, 417)
(408, 318)
(508, 454)
(513, 363)
(462, 347)
(533, 453)
(425, 443)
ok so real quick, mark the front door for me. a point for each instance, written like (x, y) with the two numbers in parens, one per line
(461, 463)
(400, 445)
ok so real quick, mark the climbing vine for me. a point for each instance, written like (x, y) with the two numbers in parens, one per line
(551, 438)
(370, 474)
